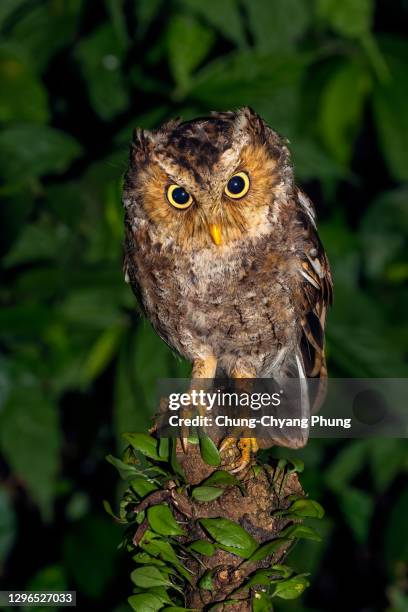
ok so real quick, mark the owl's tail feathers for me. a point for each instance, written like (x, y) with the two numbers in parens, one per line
(312, 393)
(299, 408)
(305, 395)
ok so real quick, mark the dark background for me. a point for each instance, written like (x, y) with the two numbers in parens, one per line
(78, 365)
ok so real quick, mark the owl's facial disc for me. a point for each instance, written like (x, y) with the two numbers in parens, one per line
(179, 198)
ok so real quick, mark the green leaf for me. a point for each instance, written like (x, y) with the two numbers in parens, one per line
(143, 443)
(164, 446)
(146, 11)
(312, 161)
(383, 230)
(101, 55)
(221, 478)
(125, 470)
(188, 42)
(357, 507)
(283, 570)
(291, 588)
(396, 532)
(162, 521)
(297, 465)
(209, 452)
(146, 602)
(154, 358)
(37, 241)
(90, 554)
(119, 20)
(206, 494)
(101, 353)
(7, 525)
(341, 108)
(32, 26)
(203, 547)
(161, 592)
(224, 16)
(49, 578)
(230, 535)
(94, 308)
(351, 18)
(277, 25)
(175, 464)
(127, 415)
(22, 97)
(143, 486)
(163, 550)
(301, 531)
(108, 509)
(226, 81)
(7, 8)
(205, 582)
(269, 549)
(306, 508)
(261, 603)
(30, 441)
(391, 112)
(260, 577)
(387, 457)
(149, 576)
(146, 559)
(28, 151)
(346, 465)
(159, 548)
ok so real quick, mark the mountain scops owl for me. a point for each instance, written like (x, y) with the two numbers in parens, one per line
(222, 250)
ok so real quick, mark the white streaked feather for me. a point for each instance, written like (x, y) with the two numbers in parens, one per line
(307, 207)
(304, 392)
(309, 279)
(316, 265)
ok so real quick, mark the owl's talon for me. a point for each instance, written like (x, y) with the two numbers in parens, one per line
(226, 443)
(242, 466)
(247, 446)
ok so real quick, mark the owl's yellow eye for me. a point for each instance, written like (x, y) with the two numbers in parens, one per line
(237, 186)
(179, 197)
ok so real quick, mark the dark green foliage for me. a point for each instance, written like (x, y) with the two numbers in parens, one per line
(78, 366)
(209, 452)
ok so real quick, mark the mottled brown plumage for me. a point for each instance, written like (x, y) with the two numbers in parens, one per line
(254, 305)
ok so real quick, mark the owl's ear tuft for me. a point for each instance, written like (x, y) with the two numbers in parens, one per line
(248, 122)
(141, 145)
(246, 116)
(171, 124)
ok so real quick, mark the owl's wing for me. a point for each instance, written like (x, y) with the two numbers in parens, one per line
(316, 291)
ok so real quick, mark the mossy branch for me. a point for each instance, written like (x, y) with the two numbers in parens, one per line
(203, 540)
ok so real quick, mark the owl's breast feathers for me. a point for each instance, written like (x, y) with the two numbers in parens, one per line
(263, 299)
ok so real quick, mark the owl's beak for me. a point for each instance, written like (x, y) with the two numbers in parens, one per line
(215, 232)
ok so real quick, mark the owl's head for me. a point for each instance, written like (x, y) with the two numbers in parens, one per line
(209, 181)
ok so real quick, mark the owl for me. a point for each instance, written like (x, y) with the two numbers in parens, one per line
(223, 254)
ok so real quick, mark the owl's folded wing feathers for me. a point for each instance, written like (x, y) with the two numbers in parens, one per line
(314, 299)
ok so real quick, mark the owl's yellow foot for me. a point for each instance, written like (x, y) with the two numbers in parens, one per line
(247, 447)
